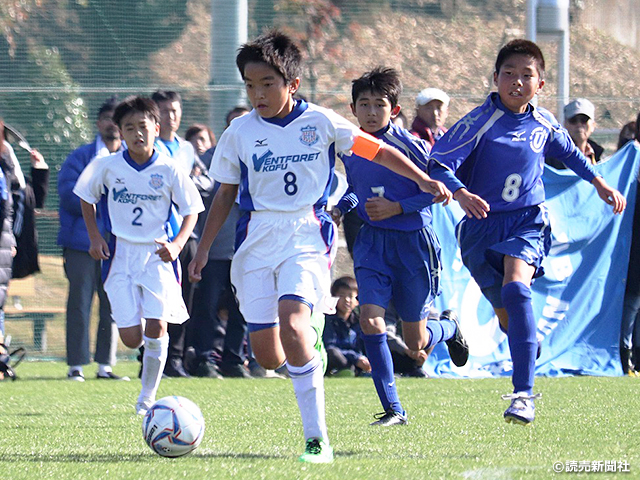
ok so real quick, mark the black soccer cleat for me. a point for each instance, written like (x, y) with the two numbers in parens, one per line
(389, 418)
(458, 348)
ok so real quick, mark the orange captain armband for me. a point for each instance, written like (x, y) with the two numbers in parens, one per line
(366, 146)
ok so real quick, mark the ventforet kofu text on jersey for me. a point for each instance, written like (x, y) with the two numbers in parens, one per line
(267, 162)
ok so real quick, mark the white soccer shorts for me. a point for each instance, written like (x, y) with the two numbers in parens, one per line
(284, 253)
(140, 285)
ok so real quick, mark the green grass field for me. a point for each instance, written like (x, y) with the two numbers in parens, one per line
(52, 428)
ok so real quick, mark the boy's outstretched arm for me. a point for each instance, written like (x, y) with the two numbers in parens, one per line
(169, 251)
(98, 249)
(610, 195)
(218, 213)
(397, 162)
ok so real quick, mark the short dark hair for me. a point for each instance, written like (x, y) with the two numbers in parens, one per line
(109, 105)
(276, 50)
(196, 128)
(166, 96)
(628, 132)
(344, 282)
(636, 132)
(234, 112)
(520, 46)
(381, 80)
(134, 103)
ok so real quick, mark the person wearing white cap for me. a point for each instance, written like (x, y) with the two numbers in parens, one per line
(579, 120)
(432, 107)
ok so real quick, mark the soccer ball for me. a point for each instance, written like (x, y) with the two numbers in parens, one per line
(173, 426)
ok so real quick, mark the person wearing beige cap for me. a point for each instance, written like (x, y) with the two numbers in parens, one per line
(579, 121)
(432, 107)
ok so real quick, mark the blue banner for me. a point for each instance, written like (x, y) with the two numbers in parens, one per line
(577, 303)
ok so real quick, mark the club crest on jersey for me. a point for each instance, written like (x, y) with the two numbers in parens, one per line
(309, 135)
(538, 138)
(156, 181)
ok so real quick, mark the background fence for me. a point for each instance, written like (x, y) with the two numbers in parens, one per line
(60, 59)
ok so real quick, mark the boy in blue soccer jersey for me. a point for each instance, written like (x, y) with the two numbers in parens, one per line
(396, 253)
(493, 159)
(280, 157)
(140, 268)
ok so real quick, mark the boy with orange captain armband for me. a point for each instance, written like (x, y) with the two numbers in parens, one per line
(278, 161)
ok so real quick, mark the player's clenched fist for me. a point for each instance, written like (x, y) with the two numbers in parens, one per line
(196, 265)
(168, 251)
(99, 250)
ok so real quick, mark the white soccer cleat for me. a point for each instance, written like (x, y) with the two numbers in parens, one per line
(143, 407)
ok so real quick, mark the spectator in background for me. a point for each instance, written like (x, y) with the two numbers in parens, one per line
(236, 112)
(627, 133)
(201, 137)
(342, 334)
(211, 340)
(579, 120)
(7, 240)
(630, 328)
(401, 120)
(171, 144)
(27, 195)
(82, 271)
(432, 108)
(406, 362)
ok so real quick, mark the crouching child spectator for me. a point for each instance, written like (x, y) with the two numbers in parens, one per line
(342, 334)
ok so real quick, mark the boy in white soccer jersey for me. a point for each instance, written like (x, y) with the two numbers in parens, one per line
(281, 158)
(140, 267)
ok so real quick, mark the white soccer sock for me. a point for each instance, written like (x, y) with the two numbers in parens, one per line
(155, 356)
(308, 384)
(104, 369)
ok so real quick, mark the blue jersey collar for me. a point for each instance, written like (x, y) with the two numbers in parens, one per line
(495, 97)
(298, 109)
(135, 164)
(380, 133)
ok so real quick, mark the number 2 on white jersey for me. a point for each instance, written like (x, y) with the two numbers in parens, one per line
(136, 220)
(511, 190)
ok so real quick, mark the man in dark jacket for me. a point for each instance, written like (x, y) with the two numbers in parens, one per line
(82, 271)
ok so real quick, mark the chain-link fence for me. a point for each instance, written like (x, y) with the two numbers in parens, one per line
(60, 59)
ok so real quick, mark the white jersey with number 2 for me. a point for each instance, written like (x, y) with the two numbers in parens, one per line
(139, 197)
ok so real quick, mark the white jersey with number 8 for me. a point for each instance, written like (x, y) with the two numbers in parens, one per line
(283, 165)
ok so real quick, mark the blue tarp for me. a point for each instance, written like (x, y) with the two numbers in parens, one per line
(577, 303)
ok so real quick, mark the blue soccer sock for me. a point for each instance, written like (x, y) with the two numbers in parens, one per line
(516, 298)
(440, 331)
(379, 356)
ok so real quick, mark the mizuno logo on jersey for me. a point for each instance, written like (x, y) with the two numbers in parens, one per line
(518, 136)
(261, 143)
(123, 196)
(267, 162)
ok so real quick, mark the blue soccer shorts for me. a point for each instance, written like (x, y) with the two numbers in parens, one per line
(398, 265)
(523, 234)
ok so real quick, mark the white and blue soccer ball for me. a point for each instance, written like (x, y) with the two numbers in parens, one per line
(173, 426)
